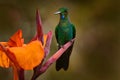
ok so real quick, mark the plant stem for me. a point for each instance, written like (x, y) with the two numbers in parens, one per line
(52, 59)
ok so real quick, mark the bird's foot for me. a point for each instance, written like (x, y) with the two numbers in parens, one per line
(71, 41)
(62, 46)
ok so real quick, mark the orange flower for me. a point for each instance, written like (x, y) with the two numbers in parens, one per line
(20, 56)
(27, 56)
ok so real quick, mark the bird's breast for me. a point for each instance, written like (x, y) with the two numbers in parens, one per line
(64, 35)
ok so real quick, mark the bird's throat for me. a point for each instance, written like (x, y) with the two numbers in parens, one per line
(62, 17)
(64, 20)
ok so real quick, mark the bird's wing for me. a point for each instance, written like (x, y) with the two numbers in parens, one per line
(56, 33)
(74, 31)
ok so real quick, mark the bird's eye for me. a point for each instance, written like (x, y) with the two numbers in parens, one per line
(65, 12)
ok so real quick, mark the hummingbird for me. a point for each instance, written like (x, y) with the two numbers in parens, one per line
(64, 32)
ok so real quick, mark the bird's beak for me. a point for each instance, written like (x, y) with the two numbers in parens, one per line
(58, 12)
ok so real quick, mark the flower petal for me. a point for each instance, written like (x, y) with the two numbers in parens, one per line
(16, 39)
(5, 44)
(4, 60)
(44, 39)
(30, 55)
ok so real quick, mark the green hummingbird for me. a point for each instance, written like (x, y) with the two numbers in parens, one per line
(64, 32)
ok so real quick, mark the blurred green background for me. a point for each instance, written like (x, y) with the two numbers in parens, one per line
(96, 53)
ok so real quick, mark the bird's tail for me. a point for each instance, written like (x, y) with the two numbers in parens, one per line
(63, 61)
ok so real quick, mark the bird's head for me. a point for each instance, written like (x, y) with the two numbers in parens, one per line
(63, 12)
